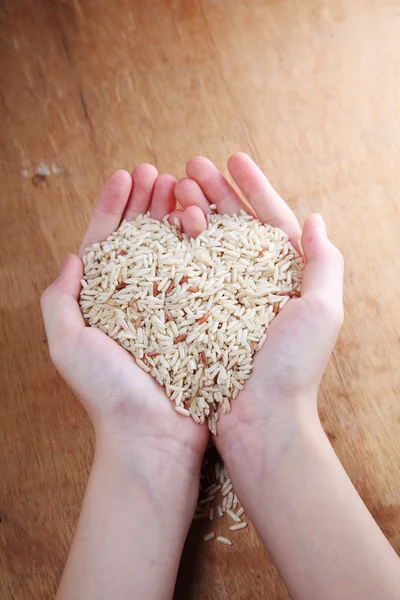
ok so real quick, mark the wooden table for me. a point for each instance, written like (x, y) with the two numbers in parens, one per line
(311, 90)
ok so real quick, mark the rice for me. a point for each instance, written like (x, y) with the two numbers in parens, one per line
(239, 526)
(182, 411)
(192, 312)
(210, 496)
(233, 516)
(227, 490)
(224, 540)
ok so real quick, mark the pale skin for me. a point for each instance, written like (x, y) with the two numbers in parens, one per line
(144, 482)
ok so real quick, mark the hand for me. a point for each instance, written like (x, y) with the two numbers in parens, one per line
(122, 401)
(283, 386)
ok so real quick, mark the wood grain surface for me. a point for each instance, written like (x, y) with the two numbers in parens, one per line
(311, 90)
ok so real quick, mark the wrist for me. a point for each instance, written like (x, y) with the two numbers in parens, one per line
(137, 510)
(160, 470)
(293, 422)
(132, 447)
(262, 454)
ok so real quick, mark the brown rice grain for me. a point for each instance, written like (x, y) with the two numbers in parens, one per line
(239, 526)
(233, 515)
(224, 540)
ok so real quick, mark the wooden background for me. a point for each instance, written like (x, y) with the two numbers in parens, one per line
(311, 89)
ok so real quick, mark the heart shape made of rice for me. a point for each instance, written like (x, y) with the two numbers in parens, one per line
(191, 311)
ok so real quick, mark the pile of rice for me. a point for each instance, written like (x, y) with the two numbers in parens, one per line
(192, 312)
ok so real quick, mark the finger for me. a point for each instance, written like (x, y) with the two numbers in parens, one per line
(163, 201)
(193, 221)
(323, 275)
(189, 193)
(216, 188)
(144, 177)
(266, 202)
(61, 313)
(108, 212)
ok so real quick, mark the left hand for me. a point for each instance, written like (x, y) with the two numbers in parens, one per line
(124, 403)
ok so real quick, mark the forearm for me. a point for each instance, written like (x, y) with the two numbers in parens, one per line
(132, 527)
(319, 533)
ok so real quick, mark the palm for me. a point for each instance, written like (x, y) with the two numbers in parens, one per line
(107, 379)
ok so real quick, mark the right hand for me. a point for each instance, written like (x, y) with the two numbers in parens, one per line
(282, 389)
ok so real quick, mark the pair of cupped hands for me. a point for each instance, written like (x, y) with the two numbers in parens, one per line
(126, 405)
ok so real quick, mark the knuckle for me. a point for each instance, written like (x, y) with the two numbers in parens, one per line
(57, 354)
(337, 317)
(62, 351)
(47, 296)
(330, 311)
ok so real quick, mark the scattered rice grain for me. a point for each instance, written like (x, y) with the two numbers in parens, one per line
(233, 515)
(239, 526)
(224, 540)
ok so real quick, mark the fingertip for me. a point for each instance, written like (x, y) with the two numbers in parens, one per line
(166, 180)
(247, 174)
(116, 192)
(314, 235)
(145, 173)
(120, 177)
(324, 262)
(319, 223)
(70, 275)
(144, 177)
(182, 187)
(238, 157)
(195, 166)
(194, 221)
(164, 186)
(322, 284)
(193, 212)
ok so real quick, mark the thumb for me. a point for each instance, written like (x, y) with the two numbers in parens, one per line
(323, 275)
(61, 313)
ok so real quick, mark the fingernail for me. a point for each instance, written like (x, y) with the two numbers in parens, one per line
(321, 224)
